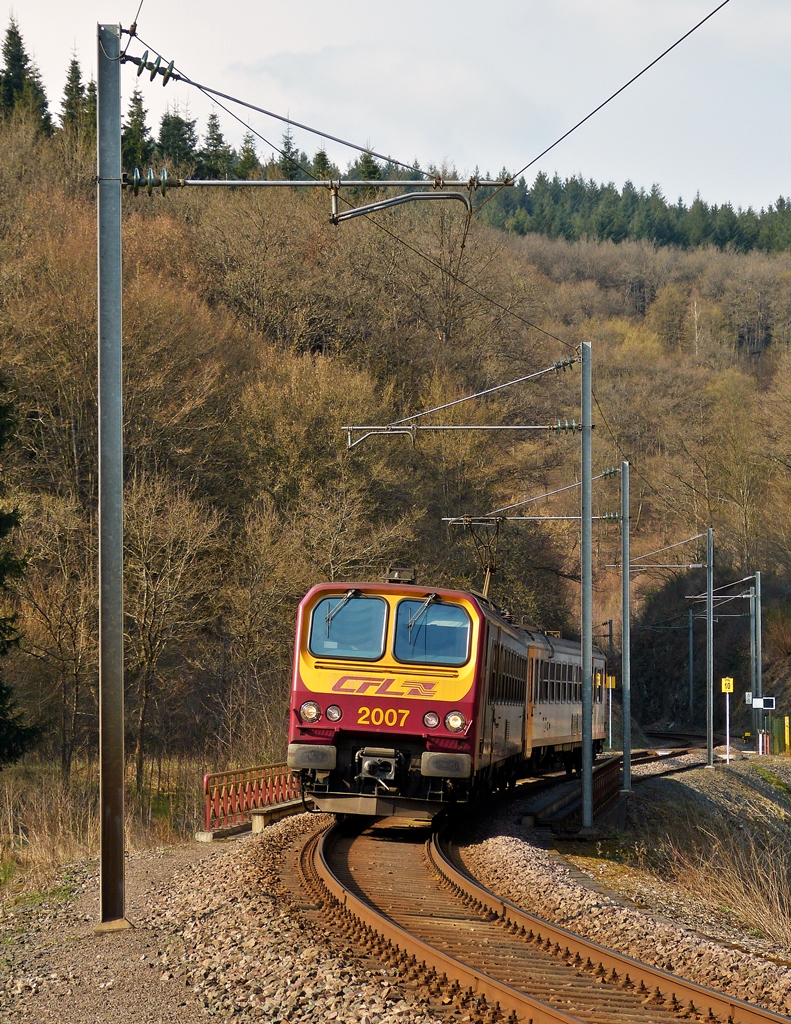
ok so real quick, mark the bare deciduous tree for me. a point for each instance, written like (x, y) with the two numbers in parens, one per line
(169, 581)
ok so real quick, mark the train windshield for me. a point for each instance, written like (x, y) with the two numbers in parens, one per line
(348, 626)
(432, 633)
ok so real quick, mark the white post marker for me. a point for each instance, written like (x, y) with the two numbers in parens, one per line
(727, 689)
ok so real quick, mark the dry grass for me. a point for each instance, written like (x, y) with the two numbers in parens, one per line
(45, 824)
(742, 871)
(743, 876)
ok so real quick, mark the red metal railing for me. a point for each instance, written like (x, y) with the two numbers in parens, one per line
(232, 796)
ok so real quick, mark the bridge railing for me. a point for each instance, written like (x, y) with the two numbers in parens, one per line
(232, 796)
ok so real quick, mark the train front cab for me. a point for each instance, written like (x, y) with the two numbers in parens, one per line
(383, 716)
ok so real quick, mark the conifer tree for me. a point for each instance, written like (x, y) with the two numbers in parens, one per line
(20, 82)
(289, 157)
(368, 168)
(89, 118)
(178, 140)
(322, 167)
(248, 166)
(16, 738)
(73, 102)
(216, 156)
(136, 142)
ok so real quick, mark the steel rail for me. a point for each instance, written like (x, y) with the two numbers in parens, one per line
(495, 991)
(372, 928)
(669, 985)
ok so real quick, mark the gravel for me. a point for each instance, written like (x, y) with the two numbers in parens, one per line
(214, 935)
(246, 954)
(217, 932)
(513, 862)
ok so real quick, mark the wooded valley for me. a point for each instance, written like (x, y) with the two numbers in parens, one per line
(254, 331)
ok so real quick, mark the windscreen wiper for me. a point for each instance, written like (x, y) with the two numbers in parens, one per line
(416, 616)
(334, 611)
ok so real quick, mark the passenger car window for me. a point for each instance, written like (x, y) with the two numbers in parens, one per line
(343, 627)
(439, 633)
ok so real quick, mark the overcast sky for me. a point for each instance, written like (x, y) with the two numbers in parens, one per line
(457, 83)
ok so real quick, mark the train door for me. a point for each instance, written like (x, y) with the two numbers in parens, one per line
(494, 719)
(486, 711)
(527, 738)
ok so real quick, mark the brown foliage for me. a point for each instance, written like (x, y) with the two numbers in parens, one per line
(254, 332)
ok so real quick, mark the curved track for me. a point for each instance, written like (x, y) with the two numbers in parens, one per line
(395, 892)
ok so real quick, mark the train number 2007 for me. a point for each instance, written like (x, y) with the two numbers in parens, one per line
(377, 716)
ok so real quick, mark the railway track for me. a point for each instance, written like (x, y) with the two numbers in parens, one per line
(394, 892)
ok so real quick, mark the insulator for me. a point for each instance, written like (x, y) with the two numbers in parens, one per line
(155, 68)
(135, 181)
(150, 181)
(167, 74)
(163, 179)
(142, 65)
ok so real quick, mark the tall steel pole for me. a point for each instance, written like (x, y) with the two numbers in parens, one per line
(609, 688)
(710, 648)
(691, 666)
(759, 674)
(626, 642)
(587, 591)
(111, 627)
(753, 677)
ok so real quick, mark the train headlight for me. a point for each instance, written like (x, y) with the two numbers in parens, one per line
(431, 719)
(455, 721)
(310, 711)
(334, 713)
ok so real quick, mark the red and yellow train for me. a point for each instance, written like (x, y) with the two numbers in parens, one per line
(405, 699)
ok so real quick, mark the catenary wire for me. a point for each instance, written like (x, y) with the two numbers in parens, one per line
(619, 448)
(609, 99)
(381, 227)
(659, 551)
(478, 394)
(208, 91)
(422, 255)
(236, 117)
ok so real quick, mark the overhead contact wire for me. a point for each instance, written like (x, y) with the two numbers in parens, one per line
(424, 256)
(609, 99)
(208, 91)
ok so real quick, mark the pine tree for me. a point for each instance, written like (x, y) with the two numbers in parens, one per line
(16, 738)
(322, 166)
(178, 140)
(20, 82)
(137, 145)
(89, 118)
(15, 68)
(368, 168)
(73, 102)
(215, 157)
(248, 166)
(289, 157)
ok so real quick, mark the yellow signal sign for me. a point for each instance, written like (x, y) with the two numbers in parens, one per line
(727, 684)
(610, 682)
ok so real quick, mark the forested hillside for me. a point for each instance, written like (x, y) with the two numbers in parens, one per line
(254, 331)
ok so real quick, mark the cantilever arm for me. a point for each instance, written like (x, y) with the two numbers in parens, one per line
(407, 197)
